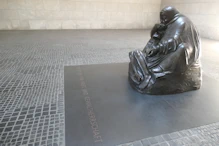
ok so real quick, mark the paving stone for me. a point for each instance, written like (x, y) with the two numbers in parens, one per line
(127, 144)
(167, 137)
(160, 139)
(145, 142)
(152, 140)
(164, 144)
(137, 143)
(175, 135)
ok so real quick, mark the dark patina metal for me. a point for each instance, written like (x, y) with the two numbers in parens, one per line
(170, 62)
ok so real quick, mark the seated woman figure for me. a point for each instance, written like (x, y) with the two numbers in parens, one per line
(169, 62)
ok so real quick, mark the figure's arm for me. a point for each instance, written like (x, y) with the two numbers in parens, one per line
(156, 35)
(166, 46)
(149, 46)
(152, 42)
(170, 43)
(163, 47)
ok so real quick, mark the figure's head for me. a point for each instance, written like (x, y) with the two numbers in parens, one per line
(167, 14)
(157, 31)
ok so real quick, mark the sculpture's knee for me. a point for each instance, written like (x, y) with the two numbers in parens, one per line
(137, 53)
(134, 54)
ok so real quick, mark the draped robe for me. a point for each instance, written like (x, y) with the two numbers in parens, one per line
(182, 44)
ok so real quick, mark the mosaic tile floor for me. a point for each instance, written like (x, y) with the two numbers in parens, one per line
(31, 76)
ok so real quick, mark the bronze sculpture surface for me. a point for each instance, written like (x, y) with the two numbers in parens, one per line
(170, 62)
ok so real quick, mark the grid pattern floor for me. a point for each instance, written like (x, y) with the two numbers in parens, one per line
(32, 76)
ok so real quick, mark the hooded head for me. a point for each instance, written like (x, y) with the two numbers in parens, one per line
(158, 31)
(168, 14)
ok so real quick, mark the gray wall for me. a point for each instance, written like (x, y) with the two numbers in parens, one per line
(78, 14)
(104, 14)
(204, 13)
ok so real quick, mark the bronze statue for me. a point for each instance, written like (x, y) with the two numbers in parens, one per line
(170, 62)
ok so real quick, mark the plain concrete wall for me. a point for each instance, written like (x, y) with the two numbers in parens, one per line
(204, 14)
(78, 14)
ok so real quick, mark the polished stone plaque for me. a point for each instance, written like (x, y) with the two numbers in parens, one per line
(102, 109)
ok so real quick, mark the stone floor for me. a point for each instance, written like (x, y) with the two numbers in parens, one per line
(32, 71)
(207, 135)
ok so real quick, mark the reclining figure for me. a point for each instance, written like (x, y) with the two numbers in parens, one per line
(170, 62)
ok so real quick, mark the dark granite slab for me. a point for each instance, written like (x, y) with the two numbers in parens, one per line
(101, 106)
